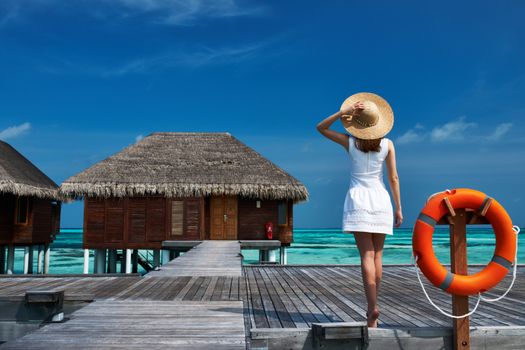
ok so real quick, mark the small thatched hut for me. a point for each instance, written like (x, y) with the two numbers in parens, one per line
(184, 186)
(29, 208)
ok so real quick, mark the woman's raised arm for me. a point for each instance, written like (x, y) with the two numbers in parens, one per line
(324, 126)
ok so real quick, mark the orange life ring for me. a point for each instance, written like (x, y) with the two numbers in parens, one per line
(440, 277)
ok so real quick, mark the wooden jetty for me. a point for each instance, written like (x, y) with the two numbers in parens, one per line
(209, 258)
(266, 307)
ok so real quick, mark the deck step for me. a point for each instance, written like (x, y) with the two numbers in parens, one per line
(324, 334)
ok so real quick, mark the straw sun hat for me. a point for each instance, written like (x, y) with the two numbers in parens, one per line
(374, 122)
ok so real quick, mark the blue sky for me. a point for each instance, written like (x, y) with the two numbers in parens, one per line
(80, 80)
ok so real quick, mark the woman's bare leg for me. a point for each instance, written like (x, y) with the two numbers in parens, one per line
(368, 270)
(378, 240)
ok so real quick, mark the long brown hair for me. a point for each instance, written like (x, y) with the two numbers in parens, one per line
(368, 145)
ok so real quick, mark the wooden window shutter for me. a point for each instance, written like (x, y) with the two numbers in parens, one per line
(193, 217)
(114, 220)
(156, 219)
(94, 216)
(177, 217)
(137, 220)
(22, 210)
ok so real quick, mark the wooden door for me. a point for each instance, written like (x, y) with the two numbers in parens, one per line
(230, 224)
(223, 215)
(216, 218)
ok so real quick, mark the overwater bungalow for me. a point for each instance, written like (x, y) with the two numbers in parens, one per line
(184, 186)
(29, 211)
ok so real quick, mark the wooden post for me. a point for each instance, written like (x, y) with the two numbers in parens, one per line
(96, 258)
(135, 261)
(123, 261)
(86, 261)
(2, 259)
(10, 259)
(26, 260)
(284, 258)
(271, 255)
(112, 261)
(31, 260)
(128, 260)
(165, 256)
(459, 265)
(156, 258)
(40, 259)
(263, 255)
(47, 256)
(100, 261)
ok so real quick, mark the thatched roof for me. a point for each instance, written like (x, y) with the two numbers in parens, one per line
(20, 177)
(186, 164)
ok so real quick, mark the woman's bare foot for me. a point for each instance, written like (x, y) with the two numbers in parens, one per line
(371, 318)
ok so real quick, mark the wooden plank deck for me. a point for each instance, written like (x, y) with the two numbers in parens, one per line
(297, 296)
(74, 286)
(209, 258)
(292, 296)
(285, 297)
(109, 324)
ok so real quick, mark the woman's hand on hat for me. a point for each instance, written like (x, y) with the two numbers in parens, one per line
(354, 109)
(358, 107)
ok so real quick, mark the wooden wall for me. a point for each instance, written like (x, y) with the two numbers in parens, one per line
(7, 214)
(43, 221)
(143, 223)
(253, 219)
(140, 222)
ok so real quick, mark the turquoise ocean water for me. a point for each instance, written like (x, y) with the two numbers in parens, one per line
(310, 246)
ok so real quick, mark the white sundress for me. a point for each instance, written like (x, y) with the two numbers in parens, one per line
(367, 206)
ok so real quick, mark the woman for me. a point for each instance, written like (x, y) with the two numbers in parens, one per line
(367, 208)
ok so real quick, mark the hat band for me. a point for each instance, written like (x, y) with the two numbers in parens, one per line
(363, 123)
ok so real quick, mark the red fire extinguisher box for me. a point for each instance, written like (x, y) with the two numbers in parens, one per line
(268, 228)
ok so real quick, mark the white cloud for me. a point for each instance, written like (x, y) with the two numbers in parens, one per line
(410, 136)
(413, 135)
(500, 131)
(452, 131)
(14, 131)
(220, 55)
(456, 131)
(188, 12)
(164, 12)
(199, 58)
(139, 137)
